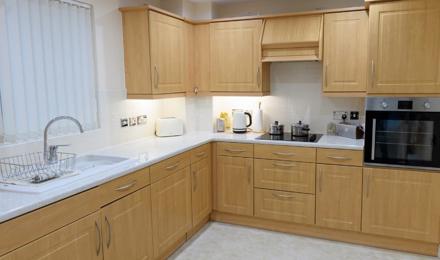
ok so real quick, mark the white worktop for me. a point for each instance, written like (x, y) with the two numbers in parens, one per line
(145, 152)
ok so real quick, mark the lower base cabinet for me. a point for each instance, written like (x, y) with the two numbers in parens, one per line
(201, 196)
(79, 240)
(339, 197)
(171, 210)
(126, 227)
(402, 204)
(285, 206)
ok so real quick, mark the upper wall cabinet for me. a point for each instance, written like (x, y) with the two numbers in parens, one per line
(345, 53)
(296, 38)
(404, 48)
(202, 73)
(236, 58)
(158, 55)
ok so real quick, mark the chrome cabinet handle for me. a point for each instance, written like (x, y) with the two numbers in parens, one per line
(368, 186)
(285, 165)
(156, 77)
(283, 196)
(201, 154)
(373, 140)
(234, 151)
(98, 232)
(320, 180)
(172, 167)
(258, 76)
(109, 238)
(283, 154)
(340, 158)
(126, 187)
(194, 181)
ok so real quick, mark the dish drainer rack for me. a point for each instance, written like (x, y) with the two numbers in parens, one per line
(33, 168)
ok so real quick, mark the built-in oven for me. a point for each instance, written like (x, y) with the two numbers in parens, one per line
(402, 132)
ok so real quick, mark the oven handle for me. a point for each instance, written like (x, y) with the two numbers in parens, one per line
(373, 140)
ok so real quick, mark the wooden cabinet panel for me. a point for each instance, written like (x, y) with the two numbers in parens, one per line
(286, 176)
(169, 166)
(79, 240)
(404, 52)
(167, 54)
(401, 203)
(340, 157)
(284, 152)
(201, 190)
(236, 56)
(339, 197)
(137, 52)
(285, 206)
(171, 210)
(345, 52)
(200, 153)
(234, 180)
(235, 149)
(202, 60)
(126, 224)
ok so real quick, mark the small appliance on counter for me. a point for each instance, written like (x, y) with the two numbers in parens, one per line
(169, 126)
(239, 121)
(276, 129)
(257, 125)
(227, 119)
(220, 125)
(349, 131)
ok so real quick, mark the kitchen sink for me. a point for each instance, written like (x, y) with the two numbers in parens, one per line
(90, 162)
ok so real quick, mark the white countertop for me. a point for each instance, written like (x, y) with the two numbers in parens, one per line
(145, 152)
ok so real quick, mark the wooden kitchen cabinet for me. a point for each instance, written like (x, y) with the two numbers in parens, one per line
(401, 203)
(201, 190)
(126, 225)
(171, 211)
(339, 197)
(202, 72)
(345, 53)
(404, 47)
(167, 54)
(236, 57)
(79, 240)
(234, 185)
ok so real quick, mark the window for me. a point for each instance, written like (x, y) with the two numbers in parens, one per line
(47, 67)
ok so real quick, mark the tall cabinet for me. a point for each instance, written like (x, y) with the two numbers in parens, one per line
(404, 47)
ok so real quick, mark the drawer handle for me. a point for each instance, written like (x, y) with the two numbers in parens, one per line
(127, 187)
(283, 196)
(249, 175)
(284, 154)
(172, 167)
(201, 154)
(109, 239)
(340, 158)
(234, 151)
(194, 181)
(285, 165)
(98, 232)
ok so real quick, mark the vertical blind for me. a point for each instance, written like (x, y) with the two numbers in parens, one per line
(47, 67)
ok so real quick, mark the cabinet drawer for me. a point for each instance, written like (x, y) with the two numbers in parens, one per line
(283, 152)
(169, 166)
(286, 176)
(120, 187)
(200, 153)
(340, 157)
(285, 206)
(235, 149)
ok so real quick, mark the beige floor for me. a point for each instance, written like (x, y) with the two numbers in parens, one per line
(226, 242)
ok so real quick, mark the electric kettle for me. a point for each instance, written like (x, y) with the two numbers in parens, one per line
(239, 121)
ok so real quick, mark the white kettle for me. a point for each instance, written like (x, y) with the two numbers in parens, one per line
(239, 121)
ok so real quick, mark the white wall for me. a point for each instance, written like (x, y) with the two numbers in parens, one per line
(296, 95)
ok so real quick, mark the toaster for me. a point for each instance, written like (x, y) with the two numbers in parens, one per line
(169, 126)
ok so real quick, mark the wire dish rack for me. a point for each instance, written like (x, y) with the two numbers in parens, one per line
(32, 168)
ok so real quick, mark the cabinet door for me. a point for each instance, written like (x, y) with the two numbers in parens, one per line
(404, 47)
(201, 190)
(79, 240)
(167, 54)
(236, 56)
(345, 52)
(171, 201)
(126, 226)
(400, 203)
(339, 197)
(235, 185)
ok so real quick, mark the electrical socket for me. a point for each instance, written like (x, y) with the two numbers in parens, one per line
(337, 115)
(142, 120)
(133, 121)
(124, 122)
(354, 115)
